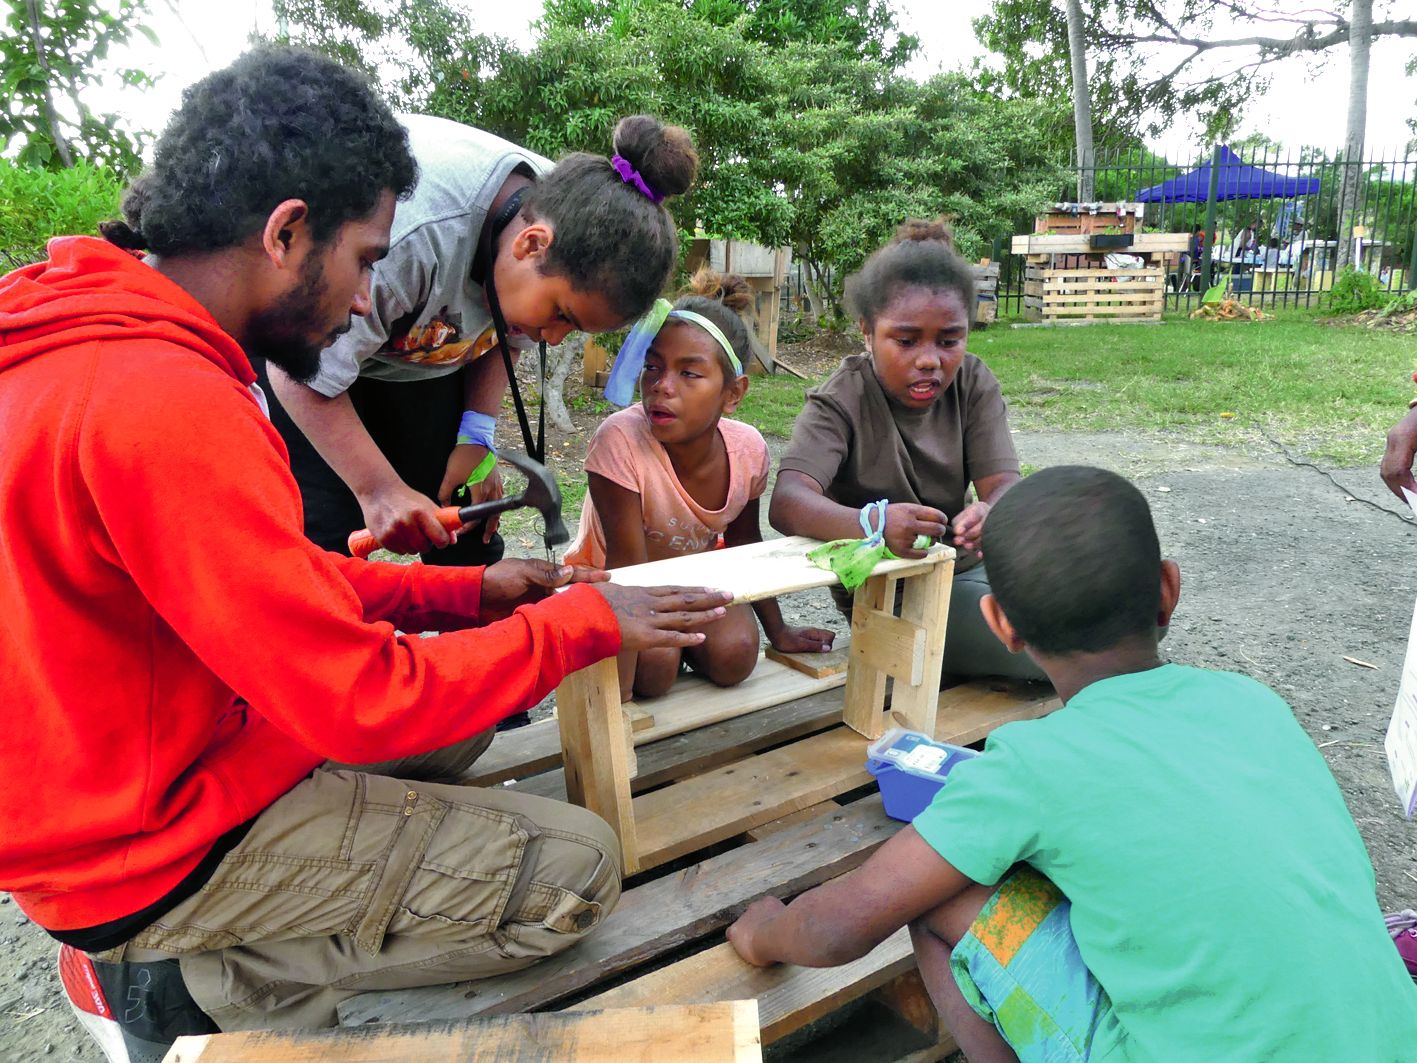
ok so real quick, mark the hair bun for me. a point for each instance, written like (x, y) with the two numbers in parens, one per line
(663, 154)
(727, 288)
(918, 229)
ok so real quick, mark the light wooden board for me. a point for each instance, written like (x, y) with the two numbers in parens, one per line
(722, 1032)
(693, 703)
(816, 665)
(1077, 244)
(654, 918)
(708, 808)
(777, 826)
(788, 996)
(756, 571)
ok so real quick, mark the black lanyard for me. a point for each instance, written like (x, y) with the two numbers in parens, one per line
(490, 231)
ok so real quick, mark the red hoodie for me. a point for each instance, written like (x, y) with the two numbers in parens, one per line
(176, 655)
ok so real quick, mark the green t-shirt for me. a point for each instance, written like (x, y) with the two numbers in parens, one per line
(1220, 892)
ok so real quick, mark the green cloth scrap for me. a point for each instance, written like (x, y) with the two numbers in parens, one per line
(853, 559)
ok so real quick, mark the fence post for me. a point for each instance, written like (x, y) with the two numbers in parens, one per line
(1208, 258)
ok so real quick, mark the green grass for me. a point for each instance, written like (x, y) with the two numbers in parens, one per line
(773, 403)
(1331, 391)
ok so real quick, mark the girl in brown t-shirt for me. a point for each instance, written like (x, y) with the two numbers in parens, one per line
(914, 420)
(675, 476)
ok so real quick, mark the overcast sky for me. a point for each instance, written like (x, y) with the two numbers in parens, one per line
(1307, 104)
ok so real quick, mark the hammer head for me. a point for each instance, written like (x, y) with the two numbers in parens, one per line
(542, 494)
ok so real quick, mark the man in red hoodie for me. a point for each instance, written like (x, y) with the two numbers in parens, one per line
(181, 664)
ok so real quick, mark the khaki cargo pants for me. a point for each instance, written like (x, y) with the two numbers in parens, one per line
(372, 878)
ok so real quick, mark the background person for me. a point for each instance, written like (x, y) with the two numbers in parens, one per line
(403, 409)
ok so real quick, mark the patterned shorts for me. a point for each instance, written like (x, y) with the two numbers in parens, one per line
(1019, 968)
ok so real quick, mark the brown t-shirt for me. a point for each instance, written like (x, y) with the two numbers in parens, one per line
(860, 447)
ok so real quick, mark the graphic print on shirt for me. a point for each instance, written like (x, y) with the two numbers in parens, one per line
(683, 537)
(439, 342)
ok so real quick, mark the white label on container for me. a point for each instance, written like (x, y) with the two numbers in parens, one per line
(926, 758)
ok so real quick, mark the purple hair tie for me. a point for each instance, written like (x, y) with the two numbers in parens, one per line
(631, 176)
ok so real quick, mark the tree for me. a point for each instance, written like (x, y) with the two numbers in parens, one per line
(419, 50)
(1157, 59)
(1082, 101)
(1359, 39)
(52, 55)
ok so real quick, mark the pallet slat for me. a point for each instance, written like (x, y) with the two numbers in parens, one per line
(721, 1032)
(789, 997)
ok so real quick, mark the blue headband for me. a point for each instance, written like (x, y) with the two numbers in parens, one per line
(630, 359)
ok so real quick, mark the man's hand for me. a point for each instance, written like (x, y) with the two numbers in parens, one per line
(802, 640)
(404, 521)
(1397, 459)
(652, 617)
(464, 458)
(969, 527)
(746, 934)
(515, 582)
(906, 520)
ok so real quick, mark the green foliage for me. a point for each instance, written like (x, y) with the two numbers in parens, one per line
(1355, 291)
(38, 204)
(1133, 91)
(49, 65)
(430, 44)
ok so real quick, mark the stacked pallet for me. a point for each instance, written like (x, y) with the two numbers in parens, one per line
(781, 802)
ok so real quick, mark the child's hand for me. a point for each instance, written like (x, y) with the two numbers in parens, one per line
(744, 935)
(906, 520)
(803, 640)
(969, 527)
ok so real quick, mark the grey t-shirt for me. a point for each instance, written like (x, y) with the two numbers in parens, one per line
(429, 317)
(860, 447)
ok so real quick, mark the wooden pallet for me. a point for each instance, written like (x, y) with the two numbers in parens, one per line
(664, 942)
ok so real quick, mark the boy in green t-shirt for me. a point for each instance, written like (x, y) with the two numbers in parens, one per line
(1162, 870)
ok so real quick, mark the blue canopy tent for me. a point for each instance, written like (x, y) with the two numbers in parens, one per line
(1237, 179)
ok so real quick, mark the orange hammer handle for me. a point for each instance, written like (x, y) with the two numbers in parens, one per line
(362, 542)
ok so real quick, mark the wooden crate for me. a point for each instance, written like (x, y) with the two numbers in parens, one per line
(1095, 294)
(1088, 218)
(664, 943)
(598, 736)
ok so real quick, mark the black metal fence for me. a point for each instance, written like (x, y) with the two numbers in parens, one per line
(1270, 249)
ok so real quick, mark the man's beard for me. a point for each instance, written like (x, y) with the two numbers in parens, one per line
(279, 332)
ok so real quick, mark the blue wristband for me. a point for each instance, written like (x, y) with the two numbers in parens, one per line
(477, 428)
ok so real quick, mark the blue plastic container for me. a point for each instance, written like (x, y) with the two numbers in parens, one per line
(910, 768)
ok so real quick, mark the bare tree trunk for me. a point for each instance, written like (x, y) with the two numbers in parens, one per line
(1359, 42)
(559, 360)
(809, 289)
(1082, 101)
(50, 115)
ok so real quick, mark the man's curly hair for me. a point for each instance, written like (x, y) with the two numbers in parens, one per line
(279, 123)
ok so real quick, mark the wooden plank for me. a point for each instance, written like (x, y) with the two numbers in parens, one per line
(758, 570)
(654, 918)
(595, 737)
(688, 815)
(1069, 243)
(767, 830)
(788, 996)
(865, 683)
(925, 604)
(720, 1032)
(892, 645)
(816, 665)
(693, 702)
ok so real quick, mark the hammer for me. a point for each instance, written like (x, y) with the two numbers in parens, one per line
(542, 494)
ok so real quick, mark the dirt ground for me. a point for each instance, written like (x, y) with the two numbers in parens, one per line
(1286, 571)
